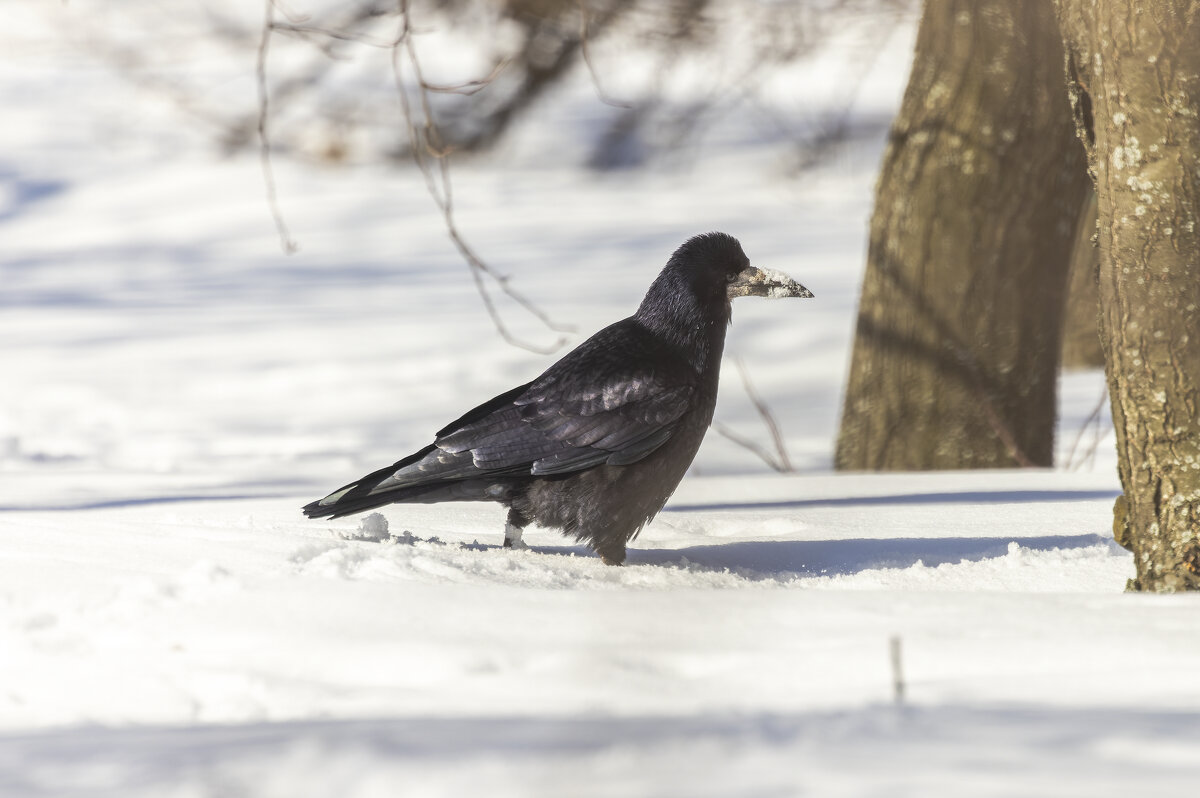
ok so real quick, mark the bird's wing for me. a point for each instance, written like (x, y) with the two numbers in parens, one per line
(614, 402)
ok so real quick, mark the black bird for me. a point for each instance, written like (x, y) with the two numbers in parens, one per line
(597, 444)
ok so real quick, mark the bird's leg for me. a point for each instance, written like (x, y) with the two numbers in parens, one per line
(513, 527)
(612, 555)
(512, 537)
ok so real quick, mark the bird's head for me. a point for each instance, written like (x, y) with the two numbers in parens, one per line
(689, 304)
(714, 265)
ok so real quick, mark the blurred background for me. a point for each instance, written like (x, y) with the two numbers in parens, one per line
(156, 325)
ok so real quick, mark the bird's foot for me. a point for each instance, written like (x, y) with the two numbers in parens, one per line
(613, 556)
(512, 537)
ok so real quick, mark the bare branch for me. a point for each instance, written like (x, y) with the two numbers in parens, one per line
(765, 412)
(746, 443)
(308, 31)
(1093, 420)
(291, 15)
(587, 59)
(779, 459)
(426, 143)
(471, 86)
(264, 153)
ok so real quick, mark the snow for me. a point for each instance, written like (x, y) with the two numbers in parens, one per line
(175, 388)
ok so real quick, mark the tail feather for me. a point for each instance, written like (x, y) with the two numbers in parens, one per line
(427, 480)
(349, 505)
(357, 496)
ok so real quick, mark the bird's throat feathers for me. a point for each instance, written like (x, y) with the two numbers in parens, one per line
(673, 311)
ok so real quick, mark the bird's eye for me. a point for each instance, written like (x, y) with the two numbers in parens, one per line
(731, 277)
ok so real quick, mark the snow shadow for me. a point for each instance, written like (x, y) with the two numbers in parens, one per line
(18, 194)
(768, 558)
(241, 491)
(110, 504)
(655, 755)
(947, 497)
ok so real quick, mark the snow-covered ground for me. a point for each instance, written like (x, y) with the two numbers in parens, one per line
(174, 388)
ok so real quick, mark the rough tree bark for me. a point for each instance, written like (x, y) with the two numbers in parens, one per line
(1134, 75)
(957, 347)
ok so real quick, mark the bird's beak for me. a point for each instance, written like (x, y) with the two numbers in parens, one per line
(753, 281)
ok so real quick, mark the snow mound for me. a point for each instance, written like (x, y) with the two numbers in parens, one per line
(371, 527)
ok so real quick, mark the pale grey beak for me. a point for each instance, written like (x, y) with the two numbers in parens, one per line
(753, 281)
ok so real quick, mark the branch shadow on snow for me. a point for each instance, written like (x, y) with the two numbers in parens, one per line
(20, 192)
(947, 497)
(770, 558)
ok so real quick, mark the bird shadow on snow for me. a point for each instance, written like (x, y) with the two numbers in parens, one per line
(769, 558)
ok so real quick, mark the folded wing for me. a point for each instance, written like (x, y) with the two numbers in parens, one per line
(614, 402)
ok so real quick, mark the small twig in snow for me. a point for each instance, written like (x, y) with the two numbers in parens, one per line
(894, 650)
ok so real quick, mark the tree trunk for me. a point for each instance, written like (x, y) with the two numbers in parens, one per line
(1134, 74)
(957, 348)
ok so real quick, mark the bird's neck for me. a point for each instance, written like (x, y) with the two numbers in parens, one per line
(698, 333)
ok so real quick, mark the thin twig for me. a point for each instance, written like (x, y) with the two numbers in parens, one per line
(307, 31)
(746, 443)
(896, 656)
(1093, 419)
(778, 460)
(587, 59)
(1100, 433)
(292, 16)
(833, 129)
(425, 143)
(264, 152)
(767, 416)
(1090, 455)
(471, 86)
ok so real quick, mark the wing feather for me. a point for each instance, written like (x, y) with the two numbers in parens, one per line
(614, 400)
